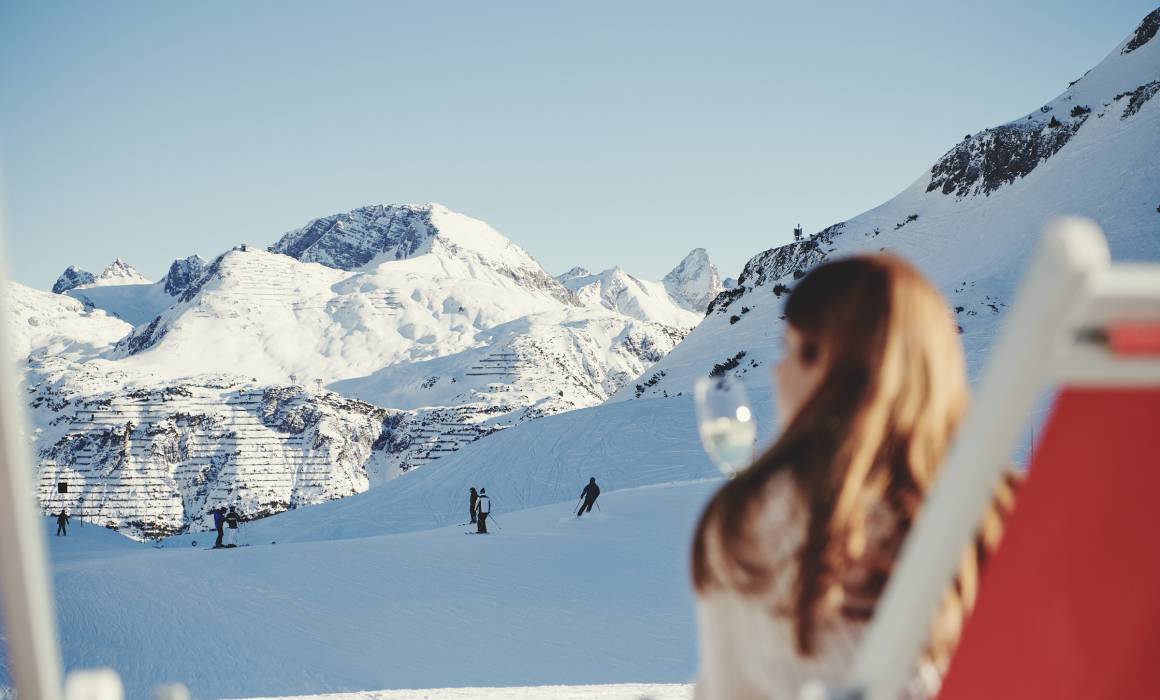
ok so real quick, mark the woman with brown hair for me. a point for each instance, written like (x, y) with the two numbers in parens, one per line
(790, 557)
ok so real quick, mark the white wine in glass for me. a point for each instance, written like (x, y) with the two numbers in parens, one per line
(725, 423)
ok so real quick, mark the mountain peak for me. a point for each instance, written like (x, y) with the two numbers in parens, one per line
(369, 236)
(120, 272)
(694, 282)
(183, 273)
(72, 278)
(575, 273)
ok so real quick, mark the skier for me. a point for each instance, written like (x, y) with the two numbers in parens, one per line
(589, 494)
(62, 524)
(482, 509)
(219, 519)
(473, 498)
(232, 519)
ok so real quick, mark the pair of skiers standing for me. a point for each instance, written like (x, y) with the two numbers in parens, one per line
(230, 520)
(480, 509)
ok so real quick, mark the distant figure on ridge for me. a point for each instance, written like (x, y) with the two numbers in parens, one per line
(219, 519)
(482, 509)
(232, 519)
(62, 524)
(589, 494)
(473, 498)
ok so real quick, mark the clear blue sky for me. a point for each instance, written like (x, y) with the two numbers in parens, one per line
(593, 133)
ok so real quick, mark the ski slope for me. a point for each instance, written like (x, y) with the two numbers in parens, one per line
(548, 599)
(623, 445)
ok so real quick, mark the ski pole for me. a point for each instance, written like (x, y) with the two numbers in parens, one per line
(576, 508)
(598, 506)
(492, 518)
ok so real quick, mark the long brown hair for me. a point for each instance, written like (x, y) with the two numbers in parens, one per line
(871, 435)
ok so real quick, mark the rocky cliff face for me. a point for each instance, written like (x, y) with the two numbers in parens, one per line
(988, 160)
(1144, 33)
(183, 274)
(352, 239)
(72, 278)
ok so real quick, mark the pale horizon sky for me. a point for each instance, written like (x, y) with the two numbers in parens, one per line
(594, 134)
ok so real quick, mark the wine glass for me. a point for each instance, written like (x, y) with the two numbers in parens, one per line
(725, 422)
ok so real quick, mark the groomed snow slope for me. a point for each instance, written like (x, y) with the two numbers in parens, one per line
(549, 460)
(547, 600)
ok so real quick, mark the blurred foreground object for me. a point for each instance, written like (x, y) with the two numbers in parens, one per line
(99, 684)
(29, 617)
(1069, 606)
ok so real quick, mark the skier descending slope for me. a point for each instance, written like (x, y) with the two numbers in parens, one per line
(589, 494)
(482, 509)
(473, 497)
(62, 524)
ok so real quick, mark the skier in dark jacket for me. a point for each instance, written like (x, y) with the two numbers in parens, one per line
(589, 494)
(474, 497)
(62, 524)
(232, 519)
(482, 510)
(219, 519)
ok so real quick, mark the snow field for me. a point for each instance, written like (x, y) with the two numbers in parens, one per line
(548, 599)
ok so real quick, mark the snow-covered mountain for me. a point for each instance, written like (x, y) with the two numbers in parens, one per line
(120, 272)
(617, 290)
(971, 222)
(694, 282)
(270, 380)
(116, 273)
(72, 278)
(124, 292)
(680, 299)
(362, 238)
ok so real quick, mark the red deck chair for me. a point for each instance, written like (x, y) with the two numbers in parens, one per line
(1069, 605)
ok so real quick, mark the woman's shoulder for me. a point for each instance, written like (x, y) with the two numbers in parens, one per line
(781, 504)
(772, 534)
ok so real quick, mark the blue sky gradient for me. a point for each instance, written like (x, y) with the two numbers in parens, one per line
(595, 133)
